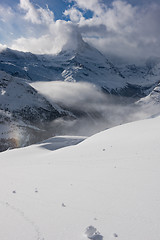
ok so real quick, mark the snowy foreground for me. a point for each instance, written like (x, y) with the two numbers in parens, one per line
(107, 187)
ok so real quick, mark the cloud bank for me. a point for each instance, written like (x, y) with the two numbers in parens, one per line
(96, 111)
(118, 28)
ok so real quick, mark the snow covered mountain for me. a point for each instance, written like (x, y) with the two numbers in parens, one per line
(85, 64)
(24, 113)
(141, 78)
(105, 188)
(151, 102)
(30, 113)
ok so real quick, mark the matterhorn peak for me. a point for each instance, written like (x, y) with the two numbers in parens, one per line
(73, 42)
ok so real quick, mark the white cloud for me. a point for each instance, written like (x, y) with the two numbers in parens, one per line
(102, 111)
(122, 29)
(117, 29)
(7, 20)
(119, 17)
(74, 14)
(44, 35)
(31, 13)
(60, 35)
(130, 31)
(94, 5)
(72, 94)
(2, 47)
(37, 16)
(5, 13)
(35, 45)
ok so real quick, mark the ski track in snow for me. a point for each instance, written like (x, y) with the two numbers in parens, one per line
(25, 218)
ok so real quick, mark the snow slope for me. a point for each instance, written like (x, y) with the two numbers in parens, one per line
(106, 187)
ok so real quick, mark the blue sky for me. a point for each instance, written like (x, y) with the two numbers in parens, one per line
(57, 6)
(123, 28)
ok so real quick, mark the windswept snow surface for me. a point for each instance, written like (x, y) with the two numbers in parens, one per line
(58, 142)
(106, 187)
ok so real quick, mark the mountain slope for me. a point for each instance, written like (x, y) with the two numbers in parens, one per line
(87, 64)
(153, 98)
(107, 187)
(84, 64)
(24, 113)
(20, 101)
(151, 102)
(141, 78)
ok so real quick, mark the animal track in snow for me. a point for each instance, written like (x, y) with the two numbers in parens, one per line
(115, 235)
(26, 219)
(63, 205)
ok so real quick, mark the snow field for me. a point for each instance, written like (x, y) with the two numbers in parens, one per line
(106, 187)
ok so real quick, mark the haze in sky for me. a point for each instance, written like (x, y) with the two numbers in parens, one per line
(122, 28)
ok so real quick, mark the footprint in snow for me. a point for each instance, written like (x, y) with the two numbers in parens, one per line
(115, 235)
(92, 233)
